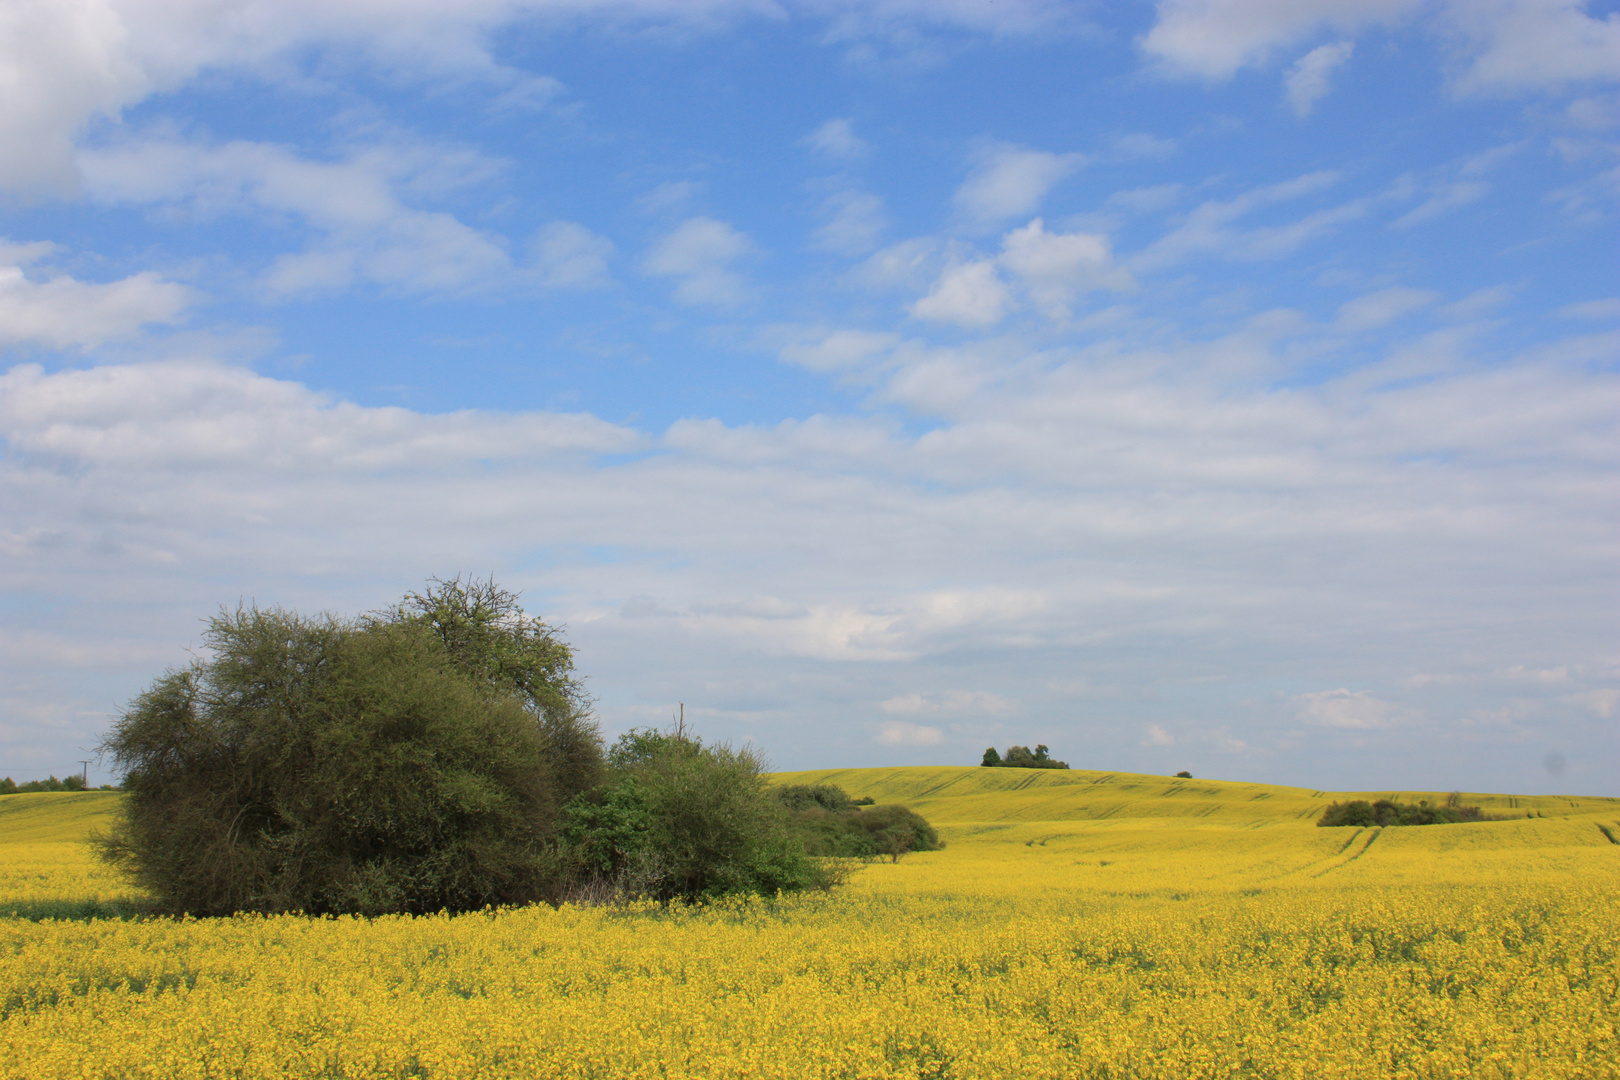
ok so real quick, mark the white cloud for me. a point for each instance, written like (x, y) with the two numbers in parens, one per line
(1478, 303)
(949, 703)
(366, 232)
(1355, 710)
(1215, 38)
(187, 415)
(698, 254)
(1057, 267)
(66, 62)
(837, 139)
(62, 312)
(905, 733)
(1498, 45)
(1607, 308)
(969, 294)
(905, 265)
(1211, 228)
(840, 349)
(1124, 513)
(1011, 181)
(1141, 145)
(1603, 703)
(1382, 307)
(1534, 44)
(1307, 81)
(570, 256)
(1157, 736)
(1442, 200)
(856, 223)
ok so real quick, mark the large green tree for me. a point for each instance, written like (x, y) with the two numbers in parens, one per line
(416, 759)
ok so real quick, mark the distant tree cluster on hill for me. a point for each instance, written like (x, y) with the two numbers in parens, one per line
(437, 755)
(832, 825)
(1386, 812)
(8, 786)
(1021, 757)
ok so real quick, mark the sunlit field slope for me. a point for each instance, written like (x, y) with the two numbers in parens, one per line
(1077, 925)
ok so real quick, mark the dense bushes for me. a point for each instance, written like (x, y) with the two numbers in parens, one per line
(8, 786)
(1020, 757)
(1386, 812)
(331, 766)
(832, 825)
(676, 819)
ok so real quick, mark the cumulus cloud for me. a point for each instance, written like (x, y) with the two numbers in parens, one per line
(1307, 81)
(1534, 44)
(855, 222)
(367, 233)
(1122, 509)
(698, 255)
(969, 294)
(837, 139)
(949, 703)
(64, 63)
(570, 256)
(905, 733)
(183, 415)
(62, 312)
(1215, 38)
(1011, 181)
(1157, 736)
(1498, 45)
(839, 349)
(1058, 267)
(1355, 710)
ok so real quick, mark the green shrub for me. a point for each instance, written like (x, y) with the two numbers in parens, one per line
(679, 820)
(1386, 813)
(828, 797)
(832, 825)
(408, 762)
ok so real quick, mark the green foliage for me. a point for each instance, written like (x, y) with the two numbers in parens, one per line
(1385, 812)
(1021, 757)
(680, 820)
(488, 636)
(832, 825)
(1184, 775)
(829, 797)
(8, 786)
(413, 761)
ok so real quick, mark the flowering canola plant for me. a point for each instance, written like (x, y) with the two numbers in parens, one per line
(1224, 943)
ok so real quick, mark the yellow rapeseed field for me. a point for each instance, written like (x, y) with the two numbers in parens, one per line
(1078, 925)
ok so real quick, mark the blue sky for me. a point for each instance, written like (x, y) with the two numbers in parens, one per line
(1224, 385)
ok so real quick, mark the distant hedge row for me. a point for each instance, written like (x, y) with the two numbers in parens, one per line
(832, 825)
(1021, 757)
(1386, 812)
(8, 786)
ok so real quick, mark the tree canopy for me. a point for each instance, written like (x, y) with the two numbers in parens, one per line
(413, 760)
(1021, 757)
